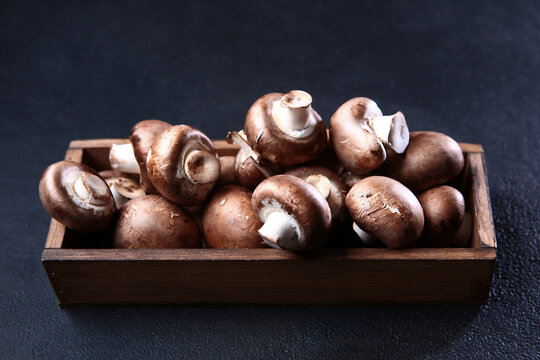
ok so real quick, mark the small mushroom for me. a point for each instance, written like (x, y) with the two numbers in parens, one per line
(431, 159)
(183, 165)
(131, 157)
(384, 209)
(75, 195)
(250, 168)
(285, 129)
(295, 214)
(229, 221)
(444, 208)
(329, 185)
(153, 222)
(360, 132)
(123, 187)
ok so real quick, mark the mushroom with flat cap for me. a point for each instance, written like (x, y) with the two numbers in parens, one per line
(285, 129)
(183, 165)
(329, 185)
(431, 159)
(359, 134)
(75, 195)
(229, 222)
(444, 208)
(295, 214)
(153, 222)
(385, 209)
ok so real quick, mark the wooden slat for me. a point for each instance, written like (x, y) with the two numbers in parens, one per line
(55, 237)
(471, 148)
(74, 155)
(311, 280)
(96, 143)
(483, 228)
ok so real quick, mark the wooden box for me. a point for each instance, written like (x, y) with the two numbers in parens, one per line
(329, 276)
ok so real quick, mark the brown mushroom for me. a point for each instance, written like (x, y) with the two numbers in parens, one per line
(359, 133)
(329, 185)
(250, 168)
(153, 222)
(431, 159)
(229, 221)
(226, 174)
(384, 209)
(131, 157)
(285, 129)
(295, 214)
(463, 236)
(444, 208)
(183, 165)
(75, 195)
(122, 186)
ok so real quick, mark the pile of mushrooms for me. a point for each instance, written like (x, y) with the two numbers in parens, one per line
(292, 184)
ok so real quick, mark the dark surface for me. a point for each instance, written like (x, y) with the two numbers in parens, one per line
(74, 70)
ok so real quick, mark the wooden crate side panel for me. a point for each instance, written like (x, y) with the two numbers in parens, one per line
(287, 282)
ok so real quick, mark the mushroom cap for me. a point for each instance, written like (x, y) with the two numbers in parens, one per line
(229, 221)
(166, 160)
(76, 196)
(265, 137)
(386, 209)
(337, 193)
(123, 187)
(142, 136)
(246, 171)
(299, 200)
(355, 144)
(226, 174)
(444, 208)
(153, 222)
(431, 159)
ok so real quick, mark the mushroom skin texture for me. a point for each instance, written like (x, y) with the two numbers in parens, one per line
(431, 159)
(226, 174)
(229, 222)
(153, 222)
(330, 186)
(123, 187)
(355, 144)
(142, 137)
(183, 165)
(285, 129)
(444, 208)
(76, 196)
(295, 214)
(387, 210)
(250, 168)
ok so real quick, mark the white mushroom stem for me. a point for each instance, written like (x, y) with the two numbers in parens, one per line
(202, 167)
(122, 158)
(366, 237)
(392, 130)
(124, 189)
(279, 229)
(292, 113)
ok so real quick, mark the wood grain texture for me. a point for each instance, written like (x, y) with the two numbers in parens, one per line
(329, 276)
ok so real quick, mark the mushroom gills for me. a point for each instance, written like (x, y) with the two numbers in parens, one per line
(122, 158)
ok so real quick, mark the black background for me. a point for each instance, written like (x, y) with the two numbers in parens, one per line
(91, 69)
